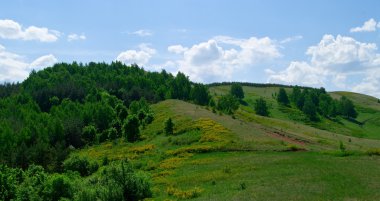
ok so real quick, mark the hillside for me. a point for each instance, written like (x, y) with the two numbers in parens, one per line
(100, 132)
(248, 160)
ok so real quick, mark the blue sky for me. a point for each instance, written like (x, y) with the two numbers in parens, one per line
(324, 43)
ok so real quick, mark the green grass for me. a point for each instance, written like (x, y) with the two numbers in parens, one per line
(213, 156)
(279, 176)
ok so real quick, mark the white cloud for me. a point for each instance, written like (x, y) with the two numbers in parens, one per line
(300, 73)
(140, 57)
(73, 37)
(291, 39)
(368, 26)
(43, 62)
(177, 49)
(10, 29)
(333, 62)
(13, 67)
(342, 53)
(142, 33)
(220, 57)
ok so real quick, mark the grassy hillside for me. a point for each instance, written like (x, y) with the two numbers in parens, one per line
(213, 156)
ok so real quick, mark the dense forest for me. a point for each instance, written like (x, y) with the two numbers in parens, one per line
(70, 106)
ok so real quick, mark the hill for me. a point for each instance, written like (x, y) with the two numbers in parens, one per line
(98, 132)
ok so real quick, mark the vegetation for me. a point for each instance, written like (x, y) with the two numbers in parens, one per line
(261, 107)
(237, 91)
(106, 132)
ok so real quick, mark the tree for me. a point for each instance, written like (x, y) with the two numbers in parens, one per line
(131, 128)
(89, 134)
(237, 91)
(80, 164)
(169, 126)
(261, 107)
(347, 108)
(199, 94)
(310, 109)
(325, 105)
(228, 104)
(282, 97)
(296, 94)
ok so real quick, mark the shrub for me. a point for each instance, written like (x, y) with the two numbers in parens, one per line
(81, 165)
(169, 127)
(131, 128)
(57, 187)
(120, 182)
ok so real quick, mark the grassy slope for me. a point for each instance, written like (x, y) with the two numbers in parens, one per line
(216, 157)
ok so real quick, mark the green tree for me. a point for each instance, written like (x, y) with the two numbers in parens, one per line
(169, 126)
(228, 104)
(261, 107)
(57, 187)
(347, 108)
(199, 94)
(282, 97)
(89, 134)
(131, 128)
(296, 94)
(310, 109)
(80, 164)
(237, 91)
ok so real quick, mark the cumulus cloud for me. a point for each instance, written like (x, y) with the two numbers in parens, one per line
(368, 26)
(13, 67)
(142, 33)
(73, 37)
(343, 52)
(10, 29)
(140, 57)
(218, 58)
(300, 73)
(333, 61)
(177, 49)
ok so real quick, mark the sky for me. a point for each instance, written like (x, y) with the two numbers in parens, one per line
(319, 43)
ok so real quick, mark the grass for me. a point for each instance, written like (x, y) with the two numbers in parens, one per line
(213, 156)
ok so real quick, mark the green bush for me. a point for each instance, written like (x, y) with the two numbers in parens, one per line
(81, 165)
(57, 187)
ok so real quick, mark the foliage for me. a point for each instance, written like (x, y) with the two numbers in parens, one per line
(169, 126)
(199, 93)
(282, 97)
(261, 107)
(131, 128)
(228, 104)
(58, 187)
(310, 109)
(80, 164)
(237, 91)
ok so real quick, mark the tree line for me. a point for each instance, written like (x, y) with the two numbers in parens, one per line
(316, 101)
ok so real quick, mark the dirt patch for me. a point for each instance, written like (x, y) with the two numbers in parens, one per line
(282, 136)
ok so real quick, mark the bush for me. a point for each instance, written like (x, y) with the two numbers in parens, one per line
(120, 182)
(131, 128)
(228, 104)
(57, 187)
(261, 107)
(81, 165)
(169, 127)
(9, 179)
